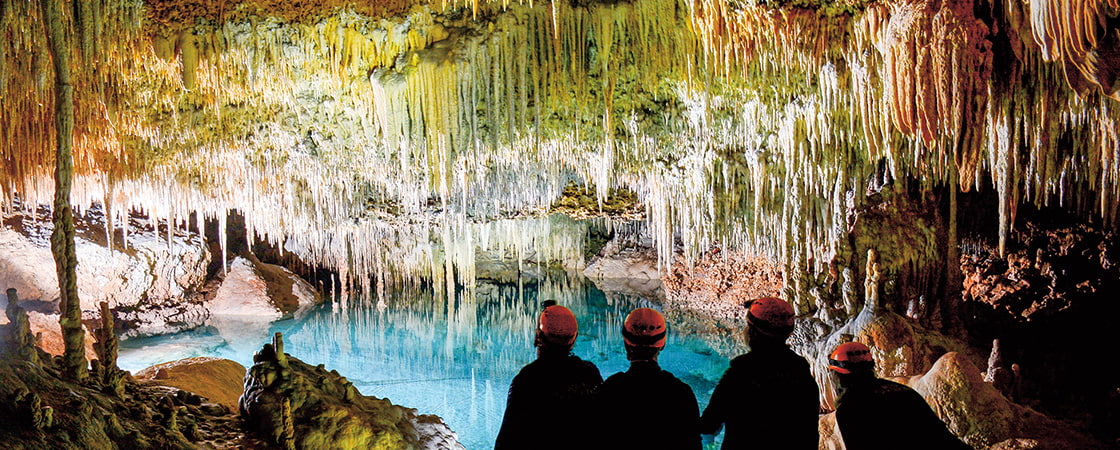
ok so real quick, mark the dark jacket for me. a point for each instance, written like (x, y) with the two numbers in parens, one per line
(550, 404)
(648, 408)
(881, 414)
(769, 400)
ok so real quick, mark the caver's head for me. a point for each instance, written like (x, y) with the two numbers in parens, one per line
(769, 320)
(851, 362)
(556, 329)
(644, 334)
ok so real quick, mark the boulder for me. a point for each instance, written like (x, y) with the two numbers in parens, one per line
(219, 380)
(251, 297)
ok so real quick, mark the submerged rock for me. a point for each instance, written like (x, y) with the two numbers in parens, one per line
(295, 405)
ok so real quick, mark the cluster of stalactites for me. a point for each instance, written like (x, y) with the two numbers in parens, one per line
(905, 86)
(936, 69)
(755, 127)
(103, 118)
(1077, 34)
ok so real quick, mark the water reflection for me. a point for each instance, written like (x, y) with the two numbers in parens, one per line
(449, 355)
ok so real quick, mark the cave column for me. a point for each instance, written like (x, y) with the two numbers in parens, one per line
(62, 237)
(950, 309)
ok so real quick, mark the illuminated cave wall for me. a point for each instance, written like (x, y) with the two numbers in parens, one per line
(376, 137)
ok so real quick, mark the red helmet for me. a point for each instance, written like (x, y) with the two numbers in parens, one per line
(770, 316)
(851, 357)
(557, 325)
(644, 327)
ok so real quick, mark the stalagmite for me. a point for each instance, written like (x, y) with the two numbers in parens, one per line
(106, 347)
(18, 338)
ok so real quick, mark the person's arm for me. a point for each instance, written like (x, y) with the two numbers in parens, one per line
(715, 414)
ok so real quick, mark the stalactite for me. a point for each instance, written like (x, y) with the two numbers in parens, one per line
(1071, 32)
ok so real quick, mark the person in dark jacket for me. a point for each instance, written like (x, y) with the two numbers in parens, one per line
(873, 413)
(555, 392)
(768, 398)
(646, 407)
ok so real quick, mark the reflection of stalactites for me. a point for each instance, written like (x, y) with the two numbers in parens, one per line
(1076, 32)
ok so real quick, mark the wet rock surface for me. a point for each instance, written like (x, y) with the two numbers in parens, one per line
(294, 405)
(218, 380)
(41, 409)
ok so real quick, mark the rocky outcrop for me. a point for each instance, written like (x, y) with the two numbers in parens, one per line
(252, 296)
(1050, 300)
(150, 283)
(982, 416)
(153, 286)
(627, 265)
(41, 409)
(294, 405)
(719, 283)
(218, 380)
(976, 412)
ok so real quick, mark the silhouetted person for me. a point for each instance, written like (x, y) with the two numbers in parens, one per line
(646, 407)
(873, 413)
(768, 398)
(550, 403)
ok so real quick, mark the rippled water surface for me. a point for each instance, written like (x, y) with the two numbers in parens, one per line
(450, 357)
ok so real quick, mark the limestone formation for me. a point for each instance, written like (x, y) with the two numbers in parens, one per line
(107, 373)
(294, 405)
(999, 372)
(16, 339)
(74, 363)
(981, 415)
(152, 286)
(218, 380)
(626, 266)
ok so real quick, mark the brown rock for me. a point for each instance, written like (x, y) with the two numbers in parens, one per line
(219, 380)
(830, 433)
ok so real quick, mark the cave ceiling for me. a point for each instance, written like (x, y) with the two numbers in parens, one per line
(342, 128)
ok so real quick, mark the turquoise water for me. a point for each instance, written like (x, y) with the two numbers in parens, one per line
(449, 356)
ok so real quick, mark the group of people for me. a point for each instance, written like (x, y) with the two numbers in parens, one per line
(767, 399)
